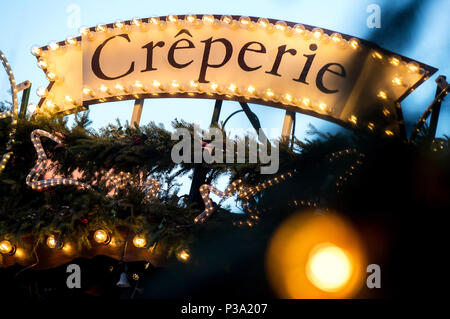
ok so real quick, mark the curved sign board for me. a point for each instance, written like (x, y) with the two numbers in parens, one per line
(281, 64)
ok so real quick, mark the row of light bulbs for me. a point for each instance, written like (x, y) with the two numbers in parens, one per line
(100, 236)
(194, 87)
(429, 109)
(192, 20)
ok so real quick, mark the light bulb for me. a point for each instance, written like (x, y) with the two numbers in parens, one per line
(6, 248)
(317, 33)
(270, 93)
(245, 21)
(263, 22)
(394, 61)
(155, 20)
(208, 19)
(102, 237)
(396, 81)
(139, 241)
(354, 43)
(172, 18)
(71, 41)
(227, 19)
(191, 18)
(42, 64)
(336, 37)
(281, 25)
(42, 92)
(306, 101)
(413, 66)
(36, 51)
(101, 28)
(299, 28)
(183, 255)
(51, 241)
(382, 95)
(119, 24)
(53, 46)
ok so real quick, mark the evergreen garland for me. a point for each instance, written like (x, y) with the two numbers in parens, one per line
(320, 181)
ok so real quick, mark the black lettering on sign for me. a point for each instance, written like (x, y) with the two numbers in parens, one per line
(326, 68)
(205, 61)
(309, 61)
(276, 64)
(95, 63)
(241, 57)
(150, 47)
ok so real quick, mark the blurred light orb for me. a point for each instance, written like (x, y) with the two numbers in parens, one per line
(328, 267)
(183, 255)
(316, 256)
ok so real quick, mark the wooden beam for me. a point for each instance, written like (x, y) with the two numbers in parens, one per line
(287, 125)
(137, 112)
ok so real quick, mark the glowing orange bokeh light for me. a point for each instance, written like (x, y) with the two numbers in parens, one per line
(315, 256)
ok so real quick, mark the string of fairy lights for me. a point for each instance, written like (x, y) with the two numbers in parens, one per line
(140, 89)
(139, 240)
(244, 194)
(12, 113)
(150, 187)
(341, 179)
(42, 162)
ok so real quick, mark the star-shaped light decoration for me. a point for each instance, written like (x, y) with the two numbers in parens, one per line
(244, 193)
(32, 179)
(149, 187)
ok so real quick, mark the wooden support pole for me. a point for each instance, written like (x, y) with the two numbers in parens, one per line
(287, 125)
(24, 103)
(137, 112)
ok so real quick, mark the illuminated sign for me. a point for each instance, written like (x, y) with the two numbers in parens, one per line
(281, 64)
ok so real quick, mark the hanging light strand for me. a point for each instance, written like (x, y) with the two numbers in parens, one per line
(13, 113)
